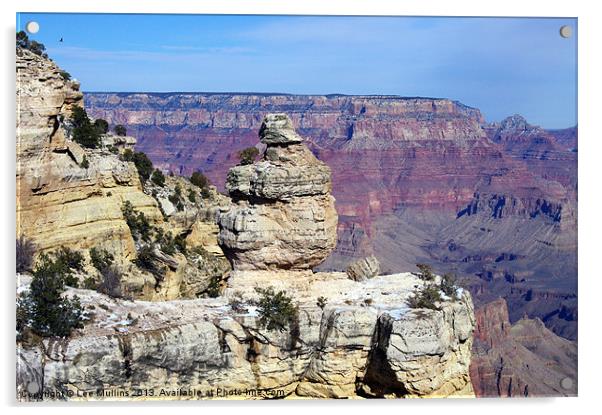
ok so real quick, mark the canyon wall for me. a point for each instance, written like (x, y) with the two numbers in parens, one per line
(69, 196)
(520, 359)
(415, 180)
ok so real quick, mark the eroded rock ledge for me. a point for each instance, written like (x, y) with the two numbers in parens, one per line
(365, 342)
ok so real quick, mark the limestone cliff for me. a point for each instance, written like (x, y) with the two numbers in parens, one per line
(364, 342)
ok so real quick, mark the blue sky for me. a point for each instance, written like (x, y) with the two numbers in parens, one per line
(502, 66)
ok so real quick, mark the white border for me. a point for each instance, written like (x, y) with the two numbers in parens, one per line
(590, 200)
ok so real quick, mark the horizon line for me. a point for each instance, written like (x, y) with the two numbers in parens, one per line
(335, 94)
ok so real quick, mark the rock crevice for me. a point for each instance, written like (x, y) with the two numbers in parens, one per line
(347, 349)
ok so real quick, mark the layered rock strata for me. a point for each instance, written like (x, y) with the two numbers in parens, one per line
(523, 359)
(60, 202)
(415, 179)
(63, 201)
(348, 338)
(406, 171)
(284, 216)
(364, 342)
(275, 234)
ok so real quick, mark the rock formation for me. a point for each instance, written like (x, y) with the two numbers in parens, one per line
(64, 202)
(284, 223)
(364, 342)
(59, 202)
(284, 217)
(520, 359)
(404, 172)
(415, 179)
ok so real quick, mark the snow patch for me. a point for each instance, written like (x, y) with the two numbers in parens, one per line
(22, 289)
(398, 313)
(251, 312)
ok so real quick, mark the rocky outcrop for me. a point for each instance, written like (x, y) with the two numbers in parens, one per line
(387, 353)
(407, 174)
(70, 196)
(403, 169)
(364, 269)
(364, 342)
(60, 202)
(520, 359)
(189, 214)
(284, 216)
(347, 339)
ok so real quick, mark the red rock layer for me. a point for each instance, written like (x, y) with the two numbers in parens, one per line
(384, 151)
(524, 359)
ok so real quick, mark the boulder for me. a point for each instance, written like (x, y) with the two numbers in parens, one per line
(278, 129)
(364, 269)
(76, 152)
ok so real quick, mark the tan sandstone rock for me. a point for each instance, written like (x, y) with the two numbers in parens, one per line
(364, 268)
(278, 129)
(60, 203)
(284, 217)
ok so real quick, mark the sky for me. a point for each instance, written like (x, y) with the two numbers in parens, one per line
(502, 66)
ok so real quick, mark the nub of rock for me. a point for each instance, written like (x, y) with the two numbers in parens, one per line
(284, 216)
(364, 269)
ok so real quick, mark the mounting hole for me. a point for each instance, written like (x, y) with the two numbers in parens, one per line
(32, 27)
(566, 31)
(33, 387)
(566, 383)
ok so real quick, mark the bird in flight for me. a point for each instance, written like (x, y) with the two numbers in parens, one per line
(61, 40)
